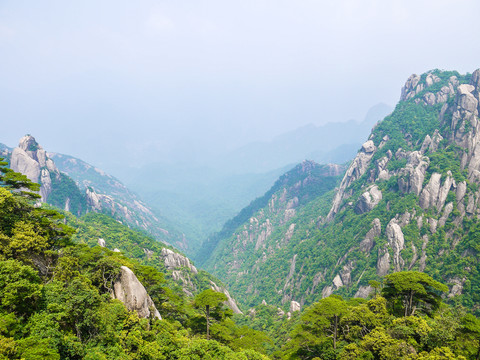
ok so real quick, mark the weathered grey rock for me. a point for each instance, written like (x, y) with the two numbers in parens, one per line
(396, 241)
(231, 303)
(22, 163)
(337, 281)
(116, 250)
(461, 191)
(433, 225)
(327, 291)
(444, 190)
(101, 242)
(289, 233)
(429, 195)
(466, 99)
(446, 213)
(456, 287)
(368, 200)
(363, 292)
(411, 177)
(174, 260)
(357, 168)
(368, 243)
(383, 262)
(423, 258)
(294, 306)
(431, 79)
(129, 290)
(280, 312)
(368, 147)
(430, 98)
(409, 89)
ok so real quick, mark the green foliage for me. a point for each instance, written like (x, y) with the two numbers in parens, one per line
(56, 303)
(412, 291)
(64, 190)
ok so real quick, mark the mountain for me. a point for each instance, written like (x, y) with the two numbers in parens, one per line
(73, 185)
(408, 201)
(201, 198)
(108, 195)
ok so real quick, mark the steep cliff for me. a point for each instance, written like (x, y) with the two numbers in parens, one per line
(409, 200)
(30, 159)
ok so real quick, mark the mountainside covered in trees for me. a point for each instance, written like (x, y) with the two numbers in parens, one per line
(408, 201)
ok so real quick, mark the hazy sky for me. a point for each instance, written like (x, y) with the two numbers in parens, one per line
(112, 80)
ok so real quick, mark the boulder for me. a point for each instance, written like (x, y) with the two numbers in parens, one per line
(101, 242)
(383, 262)
(396, 241)
(294, 306)
(429, 195)
(363, 292)
(130, 291)
(367, 244)
(22, 163)
(368, 200)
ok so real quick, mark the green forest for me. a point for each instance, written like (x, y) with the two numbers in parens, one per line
(56, 303)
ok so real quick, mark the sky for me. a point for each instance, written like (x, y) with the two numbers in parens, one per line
(131, 82)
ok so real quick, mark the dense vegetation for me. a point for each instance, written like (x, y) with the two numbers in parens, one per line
(56, 299)
(319, 251)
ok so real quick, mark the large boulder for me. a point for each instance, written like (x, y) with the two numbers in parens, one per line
(368, 200)
(130, 291)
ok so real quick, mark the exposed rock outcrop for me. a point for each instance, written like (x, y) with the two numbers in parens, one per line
(368, 200)
(30, 159)
(129, 290)
(354, 172)
(231, 303)
(174, 261)
(396, 241)
(363, 292)
(368, 243)
(294, 306)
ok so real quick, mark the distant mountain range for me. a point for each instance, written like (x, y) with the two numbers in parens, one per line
(200, 199)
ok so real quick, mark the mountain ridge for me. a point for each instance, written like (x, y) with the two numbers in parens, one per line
(393, 210)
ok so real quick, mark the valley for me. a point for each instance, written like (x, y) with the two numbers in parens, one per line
(374, 257)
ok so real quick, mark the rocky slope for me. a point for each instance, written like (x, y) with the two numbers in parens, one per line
(177, 267)
(30, 159)
(73, 185)
(269, 225)
(108, 195)
(409, 200)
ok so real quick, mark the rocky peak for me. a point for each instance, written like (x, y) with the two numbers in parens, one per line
(30, 159)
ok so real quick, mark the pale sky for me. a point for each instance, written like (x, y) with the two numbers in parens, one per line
(116, 81)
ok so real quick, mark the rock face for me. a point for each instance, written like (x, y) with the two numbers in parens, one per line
(30, 159)
(410, 200)
(368, 200)
(294, 306)
(130, 291)
(396, 241)
(231, 303)
(174, 261)
(183, 271)
(354, 172)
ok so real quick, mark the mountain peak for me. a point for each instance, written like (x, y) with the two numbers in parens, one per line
(28, 143)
